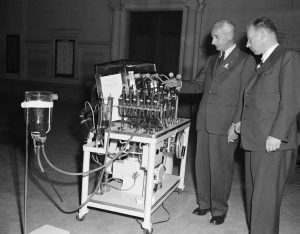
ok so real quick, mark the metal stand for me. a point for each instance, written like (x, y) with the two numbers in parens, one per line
(126, 203)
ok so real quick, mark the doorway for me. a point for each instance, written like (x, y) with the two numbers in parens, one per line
(155, 37)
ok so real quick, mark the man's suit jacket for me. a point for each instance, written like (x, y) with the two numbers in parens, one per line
(222, 92)
(272, 102)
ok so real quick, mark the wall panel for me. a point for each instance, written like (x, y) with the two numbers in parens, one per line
(90, 54)
(38, 60)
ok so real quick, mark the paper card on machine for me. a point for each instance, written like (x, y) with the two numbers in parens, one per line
(112, 86)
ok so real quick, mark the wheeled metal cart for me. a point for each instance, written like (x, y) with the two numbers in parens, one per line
(130, 204)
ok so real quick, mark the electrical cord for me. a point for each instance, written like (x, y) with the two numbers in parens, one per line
(66, 210)
(90, 196)
(158, 222)
(116, 156)
(38, 156)
(166, 220)
(76, 173)
(93, 115)
(40, 146)
(167, 78)
(37, 152)
(96, 160)
(120, 154)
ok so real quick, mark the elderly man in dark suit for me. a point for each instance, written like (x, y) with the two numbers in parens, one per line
(223, 78)
(268, 126)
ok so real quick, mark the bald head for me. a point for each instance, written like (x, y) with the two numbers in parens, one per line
(227, 26)
(223, 35)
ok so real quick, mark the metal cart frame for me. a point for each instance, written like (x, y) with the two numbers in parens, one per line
(118, 201)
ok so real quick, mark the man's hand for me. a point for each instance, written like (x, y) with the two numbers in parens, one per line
(272, 144)
(237, 127)
(172, 83)
(232, 136)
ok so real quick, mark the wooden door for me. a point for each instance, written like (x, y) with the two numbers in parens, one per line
(155, 37)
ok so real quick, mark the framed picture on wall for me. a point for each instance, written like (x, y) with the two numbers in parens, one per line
(64, 57)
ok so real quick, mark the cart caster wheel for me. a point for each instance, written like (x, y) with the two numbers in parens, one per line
(146, 231)
(179, 191)
(80, 218)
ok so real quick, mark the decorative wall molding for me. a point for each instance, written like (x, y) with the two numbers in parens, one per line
(65, 33)
(159, 2)
(116, 5)
(38, 59)
(39, 63)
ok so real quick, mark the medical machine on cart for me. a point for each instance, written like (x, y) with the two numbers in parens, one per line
(135, 135)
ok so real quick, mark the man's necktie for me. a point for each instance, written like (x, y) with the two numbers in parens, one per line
(260, 64)
(221, 58)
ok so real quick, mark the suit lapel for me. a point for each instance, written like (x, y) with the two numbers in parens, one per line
(229, 62)
(215, 66)
(269, 62)
(224, 67)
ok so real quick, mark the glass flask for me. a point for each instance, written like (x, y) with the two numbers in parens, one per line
(39, 105)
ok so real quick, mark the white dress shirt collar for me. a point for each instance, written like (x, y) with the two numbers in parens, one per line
(268, 52)
(228, 51)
